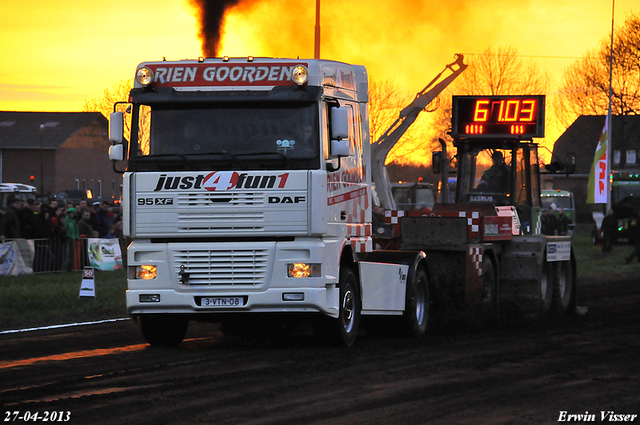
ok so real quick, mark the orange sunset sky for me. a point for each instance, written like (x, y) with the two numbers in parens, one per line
(57, 54)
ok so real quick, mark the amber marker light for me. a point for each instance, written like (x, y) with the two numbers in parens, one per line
(303, 270)
(146, 272)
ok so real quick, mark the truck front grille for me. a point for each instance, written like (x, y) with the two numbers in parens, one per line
(223, 267)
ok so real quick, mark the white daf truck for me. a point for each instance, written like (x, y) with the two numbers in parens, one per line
(248, 196)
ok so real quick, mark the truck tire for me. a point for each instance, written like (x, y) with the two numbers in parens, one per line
(163, 330)
(416, 316)
(349, 308)
(546, 288)
(489, 290)
(563, 288)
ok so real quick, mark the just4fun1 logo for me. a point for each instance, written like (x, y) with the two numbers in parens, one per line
(221, 181)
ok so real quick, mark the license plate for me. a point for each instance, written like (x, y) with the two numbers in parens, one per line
(221, 301)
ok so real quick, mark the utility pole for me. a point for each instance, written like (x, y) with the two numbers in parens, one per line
(41, 161)
(316, 44)
(609, 117)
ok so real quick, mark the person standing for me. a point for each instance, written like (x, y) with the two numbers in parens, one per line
(609, 228)
(2, 238)
(85, 229)
(549, 222)
(73, 235)
(103, 219)
(563, 222)
(634, 235)
(12, 226)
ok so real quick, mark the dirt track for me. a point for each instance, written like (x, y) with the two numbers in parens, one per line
(508, 374)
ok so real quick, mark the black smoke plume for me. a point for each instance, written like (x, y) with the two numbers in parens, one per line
(211, 16)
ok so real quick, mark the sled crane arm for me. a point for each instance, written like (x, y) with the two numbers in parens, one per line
(381, 148)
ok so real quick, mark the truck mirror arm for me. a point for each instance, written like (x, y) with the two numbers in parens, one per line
(332, 168)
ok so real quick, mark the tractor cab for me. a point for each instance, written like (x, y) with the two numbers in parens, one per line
(503, 175)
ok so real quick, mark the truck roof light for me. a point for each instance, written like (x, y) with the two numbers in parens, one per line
(144, 76)
(299, 74)
(250, 59)
(225, 59)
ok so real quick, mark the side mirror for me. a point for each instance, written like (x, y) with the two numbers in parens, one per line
(571, 163)
(116, 152)
(339, 148)
(340, 123)
(116, 127)
(436, 162)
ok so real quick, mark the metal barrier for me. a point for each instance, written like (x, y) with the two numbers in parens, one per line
(55, 255)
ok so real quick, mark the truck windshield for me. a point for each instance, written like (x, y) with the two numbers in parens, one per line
(225, 136)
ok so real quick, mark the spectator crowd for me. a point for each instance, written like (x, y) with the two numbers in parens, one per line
(57, 229)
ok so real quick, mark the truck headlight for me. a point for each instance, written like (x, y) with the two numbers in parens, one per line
(144, 76)
(146, 272)
(304, 270)
(299, 74)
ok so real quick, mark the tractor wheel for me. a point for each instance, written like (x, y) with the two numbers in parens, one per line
(564, 288)
(489, 290)
(546, 288)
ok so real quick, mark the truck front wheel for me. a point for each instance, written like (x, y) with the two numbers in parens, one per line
(163, 330)
(350, 307)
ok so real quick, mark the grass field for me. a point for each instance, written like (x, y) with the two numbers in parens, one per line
(52, 298)
(594, 263)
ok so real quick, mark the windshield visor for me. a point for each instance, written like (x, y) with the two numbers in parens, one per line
(237, 131)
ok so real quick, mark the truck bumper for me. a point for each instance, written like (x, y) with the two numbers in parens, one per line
(273, 300)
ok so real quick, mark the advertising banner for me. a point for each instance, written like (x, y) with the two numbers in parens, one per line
(104, 254)
(11, 262)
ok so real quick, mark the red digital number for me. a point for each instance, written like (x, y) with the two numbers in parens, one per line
(481, 112)
(528, 110)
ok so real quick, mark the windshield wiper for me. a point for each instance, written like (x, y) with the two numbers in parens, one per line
(262, 154)
(163, 156)
(188, 158)
(226, 154)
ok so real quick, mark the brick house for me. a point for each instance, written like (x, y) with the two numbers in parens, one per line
(582, 138)
(57, 151)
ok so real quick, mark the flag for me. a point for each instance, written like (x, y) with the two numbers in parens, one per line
(599, 175)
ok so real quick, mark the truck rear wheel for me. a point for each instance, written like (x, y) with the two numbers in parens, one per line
(350, 307)
(163, 330)
(563, 288)
(416, 316)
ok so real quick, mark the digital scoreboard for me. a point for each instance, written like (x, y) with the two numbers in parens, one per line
(497, 117)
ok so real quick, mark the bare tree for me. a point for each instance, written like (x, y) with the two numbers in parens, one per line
(385, 104)
(585, 85)
(118, 92)
(494, 72)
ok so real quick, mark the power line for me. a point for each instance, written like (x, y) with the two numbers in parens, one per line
(528, 56)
